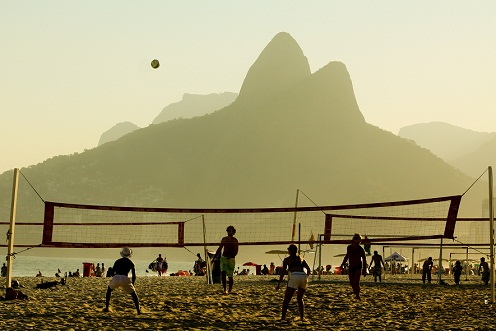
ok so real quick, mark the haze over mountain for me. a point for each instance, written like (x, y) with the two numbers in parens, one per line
(288, 129)
(117, 131)
(193, 105)
(447, 141)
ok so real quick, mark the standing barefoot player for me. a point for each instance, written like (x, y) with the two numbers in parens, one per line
(358, 264)
(227, 260)
(297, 280)
(120, 278)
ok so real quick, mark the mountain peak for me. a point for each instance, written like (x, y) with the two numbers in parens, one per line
(281, 65)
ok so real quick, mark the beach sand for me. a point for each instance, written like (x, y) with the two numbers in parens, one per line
(178, 303)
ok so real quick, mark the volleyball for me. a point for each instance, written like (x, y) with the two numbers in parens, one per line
(155, 64)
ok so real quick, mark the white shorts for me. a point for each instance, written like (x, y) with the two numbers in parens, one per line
(122, 281)
(297, 280)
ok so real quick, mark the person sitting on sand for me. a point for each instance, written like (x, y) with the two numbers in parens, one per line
(358, 264)
(39, 274)
(12, 294)
(76, 273)
(265, 270)
(227, 260)
(121, 270)
(427, 270)
(485, 270)
(297, 280)
(378, 264)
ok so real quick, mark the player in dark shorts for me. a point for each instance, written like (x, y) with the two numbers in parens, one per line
(358, 264)
(378, 265)
(120, 278)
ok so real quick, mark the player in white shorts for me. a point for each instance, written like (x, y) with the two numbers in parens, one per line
(298, 280)
(120, 278)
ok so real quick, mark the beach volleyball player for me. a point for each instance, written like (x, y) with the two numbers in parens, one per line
(358, 264)
(227, 259)
(120, 278)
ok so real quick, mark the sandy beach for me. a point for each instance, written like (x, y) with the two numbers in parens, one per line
(177, 303)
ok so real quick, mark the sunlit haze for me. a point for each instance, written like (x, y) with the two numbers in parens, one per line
(73, 69)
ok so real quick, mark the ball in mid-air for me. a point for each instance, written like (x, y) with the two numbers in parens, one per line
(155, 64)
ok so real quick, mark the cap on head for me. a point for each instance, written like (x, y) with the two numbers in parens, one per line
(126, 252)
(357, 236)
(292, 249)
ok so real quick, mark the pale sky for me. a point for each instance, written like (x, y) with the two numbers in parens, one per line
(70, 70)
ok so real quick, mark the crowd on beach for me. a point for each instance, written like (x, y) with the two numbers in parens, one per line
(355, 265)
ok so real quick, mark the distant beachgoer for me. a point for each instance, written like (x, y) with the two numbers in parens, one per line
(427, 270)
(4, 270)
(98, 270)
(12, 294)
(484, 266)
(358, 264)
(199, 266)
(378, 264)
(110, 272)
(39, 274)
(265, 270)
(120, 278)
(76, 273)
(297, 280)
(103, 270)
(272, 268)
(227, 259)
(159, 260)
(457, 272)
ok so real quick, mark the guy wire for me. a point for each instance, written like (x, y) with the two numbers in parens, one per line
(31, 186)
(474, 182)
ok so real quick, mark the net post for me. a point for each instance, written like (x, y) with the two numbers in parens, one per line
(491, 232)
(10, 234)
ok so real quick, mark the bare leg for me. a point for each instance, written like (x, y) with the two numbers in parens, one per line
(136, 302)
(107, 299)
(355, 283)
(224, 281)
(287, 298)
(299, 299)
(231, 283)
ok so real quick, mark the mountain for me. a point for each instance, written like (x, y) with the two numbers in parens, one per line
(117, 131)
(288, 129)
(475, 163)
(447, 141)
(193, 105)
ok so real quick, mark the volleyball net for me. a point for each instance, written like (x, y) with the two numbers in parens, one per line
(92, 226)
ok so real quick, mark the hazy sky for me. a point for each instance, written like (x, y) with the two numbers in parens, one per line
(71, 70)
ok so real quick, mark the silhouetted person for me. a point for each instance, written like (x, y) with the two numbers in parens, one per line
(227, 259)
(120, 278)
(297, 280)
(485, 270)
(426, 270)
(378, 264)
(159, 260)
(358, 264)
(457, 272)
(4, 270)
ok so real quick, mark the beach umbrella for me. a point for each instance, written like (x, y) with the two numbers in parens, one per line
(249, 264)
(276, 251)
(396, 257)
